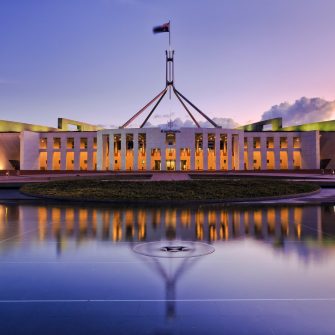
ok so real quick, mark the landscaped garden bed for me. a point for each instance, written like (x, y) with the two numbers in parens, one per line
(190, 190)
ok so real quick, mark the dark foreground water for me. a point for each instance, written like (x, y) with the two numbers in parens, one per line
(236, 270)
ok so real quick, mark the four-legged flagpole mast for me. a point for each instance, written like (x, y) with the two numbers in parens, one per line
(169, 86)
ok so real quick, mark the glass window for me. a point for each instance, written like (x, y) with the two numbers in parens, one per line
(283, 142)
(43, 143)
(269, 143)
(57, 143)
(83, 143)
(257, 142)
(198, 141)
(296, 142)
(170, 138)
(70, 143)
(211, 141)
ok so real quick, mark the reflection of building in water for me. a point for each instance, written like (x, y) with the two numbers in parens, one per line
(9, 222)
(135, 224)
(66, 225)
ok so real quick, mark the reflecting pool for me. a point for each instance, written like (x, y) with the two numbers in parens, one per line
(227, 270)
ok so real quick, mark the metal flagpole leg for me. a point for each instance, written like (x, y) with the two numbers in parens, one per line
(189, 113)
(198, 110)
(143, 109)
(160, 99)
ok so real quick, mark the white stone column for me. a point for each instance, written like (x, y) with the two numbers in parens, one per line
(135, 151)
(276, 150)
(229, 151)
(250, 153)
(236, 151)
(177, 156)
(148, 156)
(62, 153)
(99, 151)
(217, 151)
(263, 153)
(123, 151)
(77, 153)
(90, 166)
(163, 157)
(192, 157)
(111, 163)
(290, 164)
(205, 150)
(50, 150)
(241, 152)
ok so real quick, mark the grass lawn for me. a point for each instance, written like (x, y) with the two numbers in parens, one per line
(192, 190)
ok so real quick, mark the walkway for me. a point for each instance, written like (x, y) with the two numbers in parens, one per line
(166, 176)
(30, 178)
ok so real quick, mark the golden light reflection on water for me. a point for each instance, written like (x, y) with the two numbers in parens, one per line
(134, 224)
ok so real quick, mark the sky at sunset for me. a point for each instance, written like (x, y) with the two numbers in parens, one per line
(99, 62)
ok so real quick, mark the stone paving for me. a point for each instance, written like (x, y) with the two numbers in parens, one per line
(169, 176)
(161, 176)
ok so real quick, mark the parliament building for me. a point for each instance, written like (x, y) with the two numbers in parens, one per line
(264, 145)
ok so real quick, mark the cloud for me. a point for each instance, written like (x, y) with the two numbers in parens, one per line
(304, 110)
(107, 126)
(226, 123)
(160, 116)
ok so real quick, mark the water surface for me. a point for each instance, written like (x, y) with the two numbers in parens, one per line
(73, 270)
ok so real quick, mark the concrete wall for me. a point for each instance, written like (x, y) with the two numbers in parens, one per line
(9, 149)
(327, 148)
(310, 148)
(29, 153)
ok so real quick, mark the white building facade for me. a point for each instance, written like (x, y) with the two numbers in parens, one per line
(155, 149)
(205, 149)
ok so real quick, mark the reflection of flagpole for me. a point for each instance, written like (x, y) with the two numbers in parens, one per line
(170, 52)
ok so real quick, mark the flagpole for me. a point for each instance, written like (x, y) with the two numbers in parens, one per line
(169, 35)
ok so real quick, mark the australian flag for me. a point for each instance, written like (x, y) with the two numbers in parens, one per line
(164, 28)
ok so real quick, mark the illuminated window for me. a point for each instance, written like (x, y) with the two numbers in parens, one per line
(296, 142)
(141, 143)
(257, 142)
(269, 143)
(170, 138)
(129, 141)
(57, 143)
(70, 143)
(198, 142)
(43, 143)
(211, 141)
(283, 142)
(83, 143)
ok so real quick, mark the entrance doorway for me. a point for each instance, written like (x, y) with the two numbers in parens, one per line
(183, 165)
(157, 165)
(170, 165)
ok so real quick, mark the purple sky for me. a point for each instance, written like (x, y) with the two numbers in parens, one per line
(97, 60)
